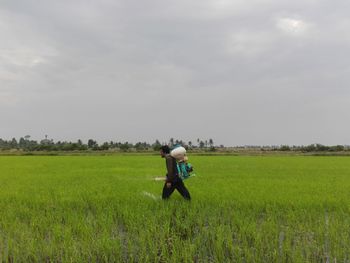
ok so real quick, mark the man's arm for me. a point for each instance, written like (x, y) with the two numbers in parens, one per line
(170, 169)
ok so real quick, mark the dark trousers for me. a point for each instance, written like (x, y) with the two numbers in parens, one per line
(179, 186)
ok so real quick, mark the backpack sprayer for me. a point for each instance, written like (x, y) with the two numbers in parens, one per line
(184, 168)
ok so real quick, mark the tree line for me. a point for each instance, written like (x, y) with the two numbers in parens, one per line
(27, 144)
(313, 148)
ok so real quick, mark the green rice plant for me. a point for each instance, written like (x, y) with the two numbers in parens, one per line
(108, 209)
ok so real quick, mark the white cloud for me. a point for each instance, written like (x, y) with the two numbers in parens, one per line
(291, 26)
(224, 8)
(249, 43)
(252, 42)
(21, 57)
(21, 45)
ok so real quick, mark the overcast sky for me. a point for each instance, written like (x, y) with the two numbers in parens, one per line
(239, 72)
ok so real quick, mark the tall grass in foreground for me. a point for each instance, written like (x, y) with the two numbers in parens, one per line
(244, 209)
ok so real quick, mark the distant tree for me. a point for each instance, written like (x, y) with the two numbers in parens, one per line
(322, 148)
(13, 143)
(139, 146)
(81, 145)
(104, 146)
(22, 143)
(92, 144)
(156, 146)
(4, 144)
(190, 144)
(171, 141)
(125, 146)
(337, 148)
(284, 148)
(309, 148)
(201, 144)
(146, 145)
(211, 143)
(117, 144)
(67, 146)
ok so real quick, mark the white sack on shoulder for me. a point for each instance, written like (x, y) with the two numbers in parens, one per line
(178, 153)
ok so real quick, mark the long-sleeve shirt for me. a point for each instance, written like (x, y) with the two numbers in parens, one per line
(172, 173)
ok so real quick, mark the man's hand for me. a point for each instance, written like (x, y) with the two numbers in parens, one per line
(168, 184)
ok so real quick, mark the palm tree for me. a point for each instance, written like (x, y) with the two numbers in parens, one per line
(211, 143)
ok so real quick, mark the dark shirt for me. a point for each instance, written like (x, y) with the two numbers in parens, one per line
(172, 173)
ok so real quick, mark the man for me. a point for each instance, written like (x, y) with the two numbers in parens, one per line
(173, 181)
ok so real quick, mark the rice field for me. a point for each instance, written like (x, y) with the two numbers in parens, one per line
(108, 209)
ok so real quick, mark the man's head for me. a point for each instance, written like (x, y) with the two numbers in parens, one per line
(164, 150)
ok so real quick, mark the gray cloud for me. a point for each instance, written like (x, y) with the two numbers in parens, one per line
(240, 72)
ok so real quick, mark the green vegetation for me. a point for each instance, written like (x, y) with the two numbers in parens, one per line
(25, 144)
(244, 209)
